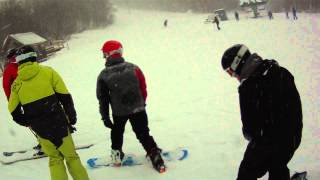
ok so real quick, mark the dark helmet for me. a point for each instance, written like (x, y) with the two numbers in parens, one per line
(26, 54)
(235, 57)
(11, 53)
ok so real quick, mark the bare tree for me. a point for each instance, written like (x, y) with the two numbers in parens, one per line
(53, 18)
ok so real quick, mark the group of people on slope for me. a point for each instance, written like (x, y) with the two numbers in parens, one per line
(270, 106)
(39, 99)
(270, 14)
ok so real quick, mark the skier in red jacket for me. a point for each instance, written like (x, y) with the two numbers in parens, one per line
(10, 73)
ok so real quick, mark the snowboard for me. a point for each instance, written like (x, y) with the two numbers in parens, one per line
(299, 176)
(130, 160)
(11, 157)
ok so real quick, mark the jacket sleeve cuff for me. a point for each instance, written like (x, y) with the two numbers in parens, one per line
(19, 118)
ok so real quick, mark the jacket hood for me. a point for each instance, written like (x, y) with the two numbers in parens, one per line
(250, 66)
(260, 69)
(28, 70)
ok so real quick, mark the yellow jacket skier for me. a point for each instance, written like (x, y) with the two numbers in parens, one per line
(40, 100)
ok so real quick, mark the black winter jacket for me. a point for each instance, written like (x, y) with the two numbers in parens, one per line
(270, 105)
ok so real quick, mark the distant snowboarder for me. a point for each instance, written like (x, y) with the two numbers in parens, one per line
(216, 21)
(271, 113)
(165, 24)
(270, 15)
(236, 15)
(294, 13)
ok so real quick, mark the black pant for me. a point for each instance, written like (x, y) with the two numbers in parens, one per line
(263, 157)
(218, 27)
(139, 123)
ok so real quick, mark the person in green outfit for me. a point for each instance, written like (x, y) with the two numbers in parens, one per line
(40, 100)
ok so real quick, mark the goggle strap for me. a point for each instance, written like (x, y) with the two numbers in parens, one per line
(236, 61)
(117, 51)
(22, 57)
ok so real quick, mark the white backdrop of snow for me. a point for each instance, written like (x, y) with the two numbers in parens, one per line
(191, 102)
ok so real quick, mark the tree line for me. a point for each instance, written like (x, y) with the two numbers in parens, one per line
(208, 6)
(53, 19)
(179, 5)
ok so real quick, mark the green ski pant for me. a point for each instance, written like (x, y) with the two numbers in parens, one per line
(56, 159)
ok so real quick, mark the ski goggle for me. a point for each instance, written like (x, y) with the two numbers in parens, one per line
(21, 57)
(237, 59)
(117, 51)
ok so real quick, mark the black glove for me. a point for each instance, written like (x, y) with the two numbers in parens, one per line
(19, 117)
(72, 120)
(72, 129)
(107, 123)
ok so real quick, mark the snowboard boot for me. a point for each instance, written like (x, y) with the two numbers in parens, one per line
(156, 160)
(116, 157)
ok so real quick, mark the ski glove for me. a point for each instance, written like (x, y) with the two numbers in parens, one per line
(107, 123)
(72, 120)
(19, 117)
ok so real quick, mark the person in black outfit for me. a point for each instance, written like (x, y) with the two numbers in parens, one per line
(294, 13)
(271, 113)
(270, 15)
(236, 15)
(165, 23)
(216, 20)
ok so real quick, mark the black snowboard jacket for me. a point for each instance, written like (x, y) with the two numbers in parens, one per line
(270, 106)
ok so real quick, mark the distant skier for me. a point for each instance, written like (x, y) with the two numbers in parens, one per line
(10, 73)
(287, 14)
(165, 24)
(294, 13)
(270, 15)
(236, 15)
(40, 100)
(271, 113)
(216, 21)
(122, 86)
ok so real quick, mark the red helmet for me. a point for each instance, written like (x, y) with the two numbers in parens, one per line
(112, 48)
